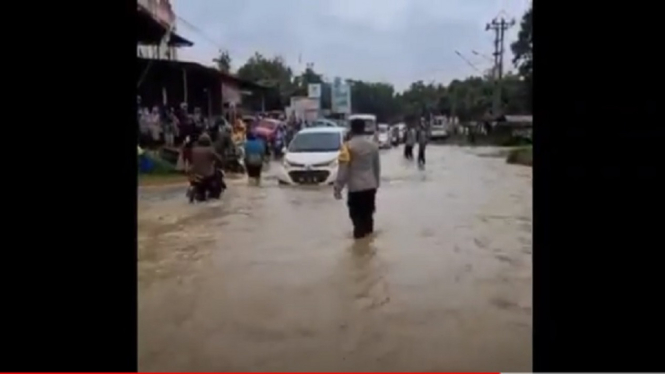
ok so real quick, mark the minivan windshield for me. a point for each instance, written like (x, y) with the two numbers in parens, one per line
(316, 142)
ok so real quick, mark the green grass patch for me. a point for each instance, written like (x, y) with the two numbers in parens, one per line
(515, 142)
(521, 156)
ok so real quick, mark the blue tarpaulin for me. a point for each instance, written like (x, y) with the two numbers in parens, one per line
(146, 165)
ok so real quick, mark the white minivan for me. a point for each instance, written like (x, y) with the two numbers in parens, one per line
(311, 157)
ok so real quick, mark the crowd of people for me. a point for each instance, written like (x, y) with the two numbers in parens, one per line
(167, 126)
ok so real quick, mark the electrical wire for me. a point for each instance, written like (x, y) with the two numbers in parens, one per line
(468, 62)
(200, 32)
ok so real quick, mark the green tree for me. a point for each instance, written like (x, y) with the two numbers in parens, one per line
(302, 81)
(515, 94)
(223, 61)
(468, 99)
(270, 72)
(377, 98)
(310, 76)
(523, 50)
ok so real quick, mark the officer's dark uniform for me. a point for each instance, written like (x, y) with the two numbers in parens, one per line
(360, 171)
(423, 138)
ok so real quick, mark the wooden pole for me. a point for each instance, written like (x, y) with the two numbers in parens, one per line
(184, 82)
(209, 103)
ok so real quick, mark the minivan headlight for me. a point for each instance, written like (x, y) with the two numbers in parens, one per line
(291, 164)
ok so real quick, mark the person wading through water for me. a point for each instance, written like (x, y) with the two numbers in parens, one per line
(229, 150)
(423, 137)
(409, 142)
(360, 172)
(255, 152)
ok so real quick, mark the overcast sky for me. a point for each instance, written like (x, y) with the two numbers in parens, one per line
(396, 41)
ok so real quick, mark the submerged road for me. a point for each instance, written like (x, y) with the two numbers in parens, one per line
(270, 279)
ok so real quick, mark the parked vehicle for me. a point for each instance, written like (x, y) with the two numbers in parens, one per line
(402, 131)
(439, 128)
(383, 136)
(322, 122)
(311, 157)
(370, 124)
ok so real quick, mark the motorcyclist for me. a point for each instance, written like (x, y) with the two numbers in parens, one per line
(204, 161)
(187, 146)
(394, 135)
(280, 137)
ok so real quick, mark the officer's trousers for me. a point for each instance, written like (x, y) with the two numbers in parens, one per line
(421, 155)
(408, 152)
(361, 210)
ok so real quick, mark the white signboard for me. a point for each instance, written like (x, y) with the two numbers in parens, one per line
(341, 97)
(305, 108)
(314, 91)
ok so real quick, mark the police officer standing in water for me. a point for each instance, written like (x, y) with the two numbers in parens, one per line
(360, 172)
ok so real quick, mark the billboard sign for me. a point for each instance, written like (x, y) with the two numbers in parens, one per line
(341, 97)
(305, 108)
(314, 90)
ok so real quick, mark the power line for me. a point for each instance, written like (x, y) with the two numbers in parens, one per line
(468, 62)
(486, 57)
(200, 33)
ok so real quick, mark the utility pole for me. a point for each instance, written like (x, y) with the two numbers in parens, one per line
(499, 27)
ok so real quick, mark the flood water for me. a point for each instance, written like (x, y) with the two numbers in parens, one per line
(270, 279)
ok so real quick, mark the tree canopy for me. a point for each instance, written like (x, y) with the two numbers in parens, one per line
(523, 50)
(468, 99)
(223, 61)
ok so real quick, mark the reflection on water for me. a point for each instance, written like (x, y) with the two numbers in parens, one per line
(444, 284)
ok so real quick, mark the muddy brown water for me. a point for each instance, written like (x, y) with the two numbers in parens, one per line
(269, 278)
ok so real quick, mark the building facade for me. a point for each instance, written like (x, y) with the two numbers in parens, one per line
(163, 12)
(162, 52)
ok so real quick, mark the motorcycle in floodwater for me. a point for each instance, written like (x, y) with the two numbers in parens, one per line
(278, 149)
(234, 160)
(203, 188)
